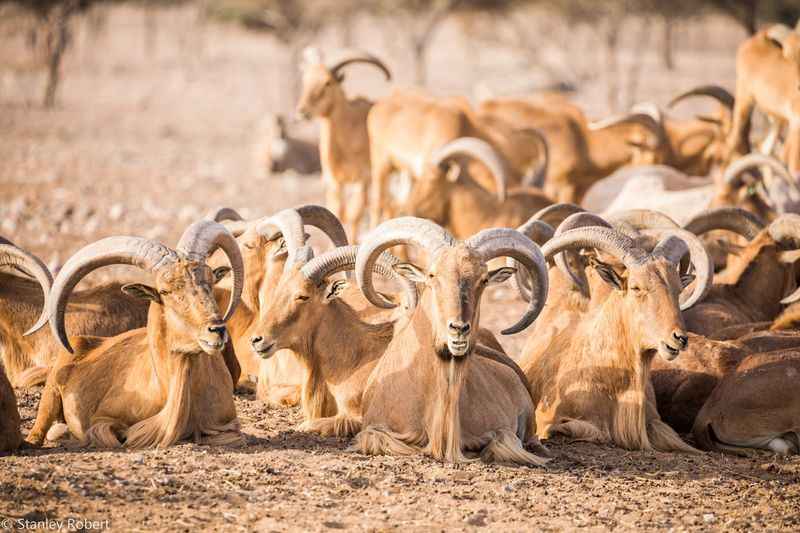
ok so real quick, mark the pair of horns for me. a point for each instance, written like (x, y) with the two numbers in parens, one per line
(489, 243)
(24, 261)
(343, 259)
(734, 174)
(199, 241)
(591, 231)
(347, 57)
(289, 223)
(480, 150)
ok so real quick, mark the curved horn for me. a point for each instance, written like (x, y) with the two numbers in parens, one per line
(556, 214)
(536, 178)
(606, 240)
(734, 219)
(357, 56)
(343, 259)
(202, 239)
(732, 175)
(406, 230)
(12, 255)
(782, 229)
(325, 221)
(703, 265)
(720, 94)
(643, 119)
(562, 260)
(779, 33)
(507, 242)
(289, 224)
(480, 150)
(219, 214)
(146, 254)
(539, 232)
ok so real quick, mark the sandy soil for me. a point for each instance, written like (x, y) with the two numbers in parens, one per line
(144, 147)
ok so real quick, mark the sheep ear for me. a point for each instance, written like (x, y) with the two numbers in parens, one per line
(501, 274)
(140, 290)
(609, 275)
(789, 256)
(220, 272)
(453, 172)
(336, 289)
(280, 249)
(339, 77)
(410, 271)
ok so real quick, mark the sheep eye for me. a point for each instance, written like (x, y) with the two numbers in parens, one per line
(163, 292)
(302, 298)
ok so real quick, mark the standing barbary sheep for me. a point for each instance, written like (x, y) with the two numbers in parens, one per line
(344, 147)
(153, 386)
(27, 355)
(10, 437)
(590, 375)
(768, 78)
(429, 393)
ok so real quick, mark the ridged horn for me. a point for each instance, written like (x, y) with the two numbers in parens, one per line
(146, 254)
(507, 242)
(537, 177)
(343, 259)
(698, 255)
(219, 214)
(782, 229)
(606, 240)
(640, 219)
(325, 221)
(539, 232)
(202, 239)
(720, 94)
(562, 260)
(12, 255)
(733, 174)
(481, 151)
(358, 56)
(734, 219)
(642, 119)
(556, 214)
(405, 230)
(287, 223)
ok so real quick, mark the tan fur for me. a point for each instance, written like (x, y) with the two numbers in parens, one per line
(10, 437)
(767, 78)
(102, 311)
(590, 368)
(150, 387)
(344, 144)
(406, 128)
(450, 404)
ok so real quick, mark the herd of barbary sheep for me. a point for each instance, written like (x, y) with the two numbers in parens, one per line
(657, 259)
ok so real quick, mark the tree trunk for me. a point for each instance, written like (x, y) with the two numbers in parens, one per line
(612, 67)
(420, 70)
(59, 39)
(667, 42)
(634, 73)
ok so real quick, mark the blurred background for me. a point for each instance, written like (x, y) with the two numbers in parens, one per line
(137, 116)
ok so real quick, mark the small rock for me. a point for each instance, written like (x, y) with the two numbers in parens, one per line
(478, 519)
(709, 518)
(115, 211)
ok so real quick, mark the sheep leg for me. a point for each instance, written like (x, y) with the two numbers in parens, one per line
(332, 426)
(357, 206)
(333, 198)
(505, 447)
(791, 150)
(739, 135)
(50, 411)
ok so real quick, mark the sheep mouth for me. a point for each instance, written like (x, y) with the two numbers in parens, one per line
(210, 347)
(265, 352)
(668, 352)
(458, 347)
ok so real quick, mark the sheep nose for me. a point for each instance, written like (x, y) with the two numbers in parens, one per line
(460, 328)
(219, 330)
(681, 337)
(256, 339)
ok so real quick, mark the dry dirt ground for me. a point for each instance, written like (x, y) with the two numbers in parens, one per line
(144, 147)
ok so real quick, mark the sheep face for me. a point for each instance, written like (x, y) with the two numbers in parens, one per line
(649, 304)
(295, 309)
(183, 291)
(454, 283)
(318, 95)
